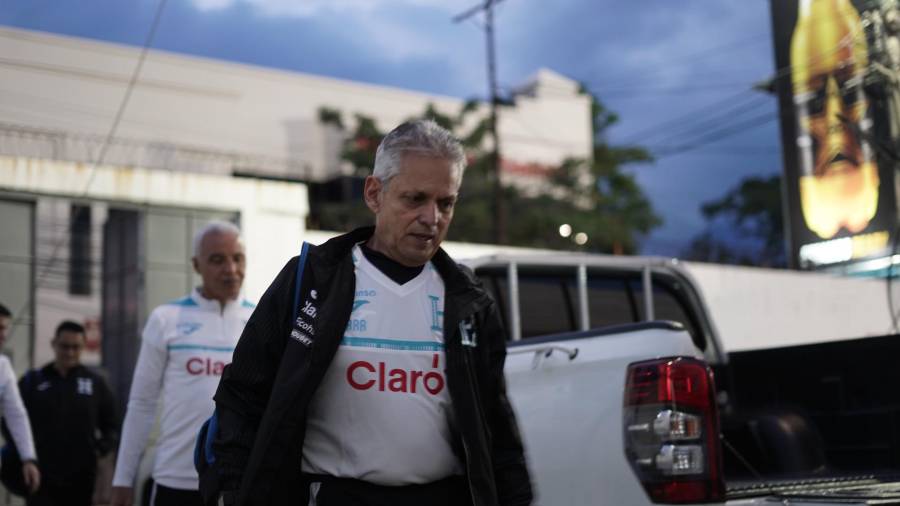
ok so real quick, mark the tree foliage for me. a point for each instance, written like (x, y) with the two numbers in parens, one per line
(745, 226)
(595, 196)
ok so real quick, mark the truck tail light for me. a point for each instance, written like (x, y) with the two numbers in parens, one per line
(672, 430)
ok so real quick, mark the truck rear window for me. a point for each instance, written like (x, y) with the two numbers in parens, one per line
(545, 304)
(548, 299)
(608, 301)
(667, 305)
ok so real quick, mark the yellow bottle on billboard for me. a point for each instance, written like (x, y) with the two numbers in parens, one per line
(838, 174)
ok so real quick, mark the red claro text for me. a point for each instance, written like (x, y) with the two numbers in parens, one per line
(198, 366)
(364, 375)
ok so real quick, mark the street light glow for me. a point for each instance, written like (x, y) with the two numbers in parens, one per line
(565, 230)
(581, 238)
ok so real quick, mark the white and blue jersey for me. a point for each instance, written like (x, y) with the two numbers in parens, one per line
(185, 347)
(382, 413)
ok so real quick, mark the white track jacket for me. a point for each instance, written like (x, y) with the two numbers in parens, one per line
(185, 346)
(14, 411)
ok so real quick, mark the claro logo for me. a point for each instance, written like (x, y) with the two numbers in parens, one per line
(364, 375)
(197, 366)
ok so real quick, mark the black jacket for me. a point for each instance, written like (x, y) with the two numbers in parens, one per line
(74, 421)
(264, 394)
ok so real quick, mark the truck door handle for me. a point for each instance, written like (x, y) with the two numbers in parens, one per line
(543, 351)
(570, 352)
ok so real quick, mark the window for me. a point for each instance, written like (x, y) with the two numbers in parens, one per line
(668, 304)
(545, 304)
(80, 250)
(548, 299)
(608, 301)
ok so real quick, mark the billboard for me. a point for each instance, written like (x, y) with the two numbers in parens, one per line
(838, 85)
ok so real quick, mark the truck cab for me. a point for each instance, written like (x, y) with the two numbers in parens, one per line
(584, 331)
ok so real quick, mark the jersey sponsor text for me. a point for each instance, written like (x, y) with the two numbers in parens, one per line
(364, 375)
(204, 366)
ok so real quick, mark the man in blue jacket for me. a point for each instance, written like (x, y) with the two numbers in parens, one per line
(371, 372)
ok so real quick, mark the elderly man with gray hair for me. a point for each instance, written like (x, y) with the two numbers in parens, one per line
(185, 346)
(371, 374)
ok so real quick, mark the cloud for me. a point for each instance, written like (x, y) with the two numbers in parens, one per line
(406, 43)
(312, 8)
(212, 5)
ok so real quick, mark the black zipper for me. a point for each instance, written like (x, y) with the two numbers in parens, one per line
(468, 368)
(475, 304)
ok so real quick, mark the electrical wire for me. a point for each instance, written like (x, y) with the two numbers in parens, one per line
(707, 124)
(722, 133)
(39, 280)
(726, 115)
(628, 81)
(680, 120)
(638, 92)
(785, 71)
(724, 150)
(696, 117)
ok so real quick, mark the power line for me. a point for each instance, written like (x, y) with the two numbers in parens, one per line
(726, 130)
(690, 58)
(692, 116)
(718, 135)
(680, 120)
(672, 90)
(128, 91)
(721, 123)
(724, 121)
(632, 91)
(103, 150)
(716, 120)
(724, 117)
(725, 150)
(846, 40)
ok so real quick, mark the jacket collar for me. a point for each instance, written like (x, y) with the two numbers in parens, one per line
(49, 369)
(332, 252)
(213, 305)
(336, 249)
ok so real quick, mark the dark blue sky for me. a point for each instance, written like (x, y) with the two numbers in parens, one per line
(659, 64)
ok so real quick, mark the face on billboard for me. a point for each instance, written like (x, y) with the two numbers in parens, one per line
(838, 175)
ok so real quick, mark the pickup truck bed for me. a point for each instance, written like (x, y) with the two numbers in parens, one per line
(567, 390)
(606, 418)
(827, 491)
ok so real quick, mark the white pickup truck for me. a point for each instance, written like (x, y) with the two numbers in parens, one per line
(610, 370)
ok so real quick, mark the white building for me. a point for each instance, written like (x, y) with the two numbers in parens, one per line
(103, 244)
(59, 95)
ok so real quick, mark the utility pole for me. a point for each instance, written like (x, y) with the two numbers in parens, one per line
(499, 202)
